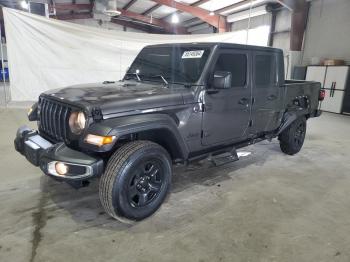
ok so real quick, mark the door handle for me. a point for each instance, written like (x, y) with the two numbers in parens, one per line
(243, 101)
(332, 91)
(271, 97)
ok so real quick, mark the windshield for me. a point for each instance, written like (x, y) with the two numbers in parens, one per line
(174, 64)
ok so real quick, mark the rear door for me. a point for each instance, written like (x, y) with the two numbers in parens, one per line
(227, 111)
(266, 93)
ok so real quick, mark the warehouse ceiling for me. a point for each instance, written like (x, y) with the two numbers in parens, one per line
(166, 15)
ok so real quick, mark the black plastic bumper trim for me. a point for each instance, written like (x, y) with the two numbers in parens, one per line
(41, 152)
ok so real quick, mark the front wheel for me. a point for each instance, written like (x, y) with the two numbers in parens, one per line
(292, 138)
(136, 181)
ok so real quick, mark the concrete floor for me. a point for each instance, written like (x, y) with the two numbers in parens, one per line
(4, 93)
(266, 207)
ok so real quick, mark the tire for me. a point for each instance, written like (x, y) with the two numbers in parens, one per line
(292, 138)
(136, 180)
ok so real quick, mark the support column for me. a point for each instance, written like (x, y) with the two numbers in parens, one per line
(298, 24)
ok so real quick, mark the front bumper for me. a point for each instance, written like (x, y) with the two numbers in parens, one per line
(44, 154)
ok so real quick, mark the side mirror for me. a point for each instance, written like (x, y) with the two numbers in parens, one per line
(222, 79)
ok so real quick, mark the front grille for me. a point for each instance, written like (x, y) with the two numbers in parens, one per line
(53, 119)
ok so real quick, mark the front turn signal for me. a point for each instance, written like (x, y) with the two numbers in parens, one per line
(99, 140)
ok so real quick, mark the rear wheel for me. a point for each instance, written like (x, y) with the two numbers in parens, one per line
(136, 180)
(292, 138)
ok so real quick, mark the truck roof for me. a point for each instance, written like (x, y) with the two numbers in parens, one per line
(221, 45)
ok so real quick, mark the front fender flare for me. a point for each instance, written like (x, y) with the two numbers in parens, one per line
(134, 124)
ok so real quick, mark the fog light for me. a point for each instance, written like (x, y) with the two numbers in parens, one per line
(61, 168)
(57, 168)
(99, 140)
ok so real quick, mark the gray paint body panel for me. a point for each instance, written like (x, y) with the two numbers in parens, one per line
(186, 113)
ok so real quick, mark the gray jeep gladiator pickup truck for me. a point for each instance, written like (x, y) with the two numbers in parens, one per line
(177, 103)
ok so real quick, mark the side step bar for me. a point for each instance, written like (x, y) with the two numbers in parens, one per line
(225, 158)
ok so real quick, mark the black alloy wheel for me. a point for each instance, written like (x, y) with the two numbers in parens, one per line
(146, 183)
(292, 138)
(299, 135)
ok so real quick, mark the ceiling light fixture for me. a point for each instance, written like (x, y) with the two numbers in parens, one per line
(211, 13)
(24, 5)
(175, 19)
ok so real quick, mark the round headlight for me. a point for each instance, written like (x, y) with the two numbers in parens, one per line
(77, 122)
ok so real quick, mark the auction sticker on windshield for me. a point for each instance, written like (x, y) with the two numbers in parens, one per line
(193, 54)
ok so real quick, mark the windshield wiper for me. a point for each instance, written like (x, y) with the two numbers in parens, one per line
(134, 74)
(160, 76)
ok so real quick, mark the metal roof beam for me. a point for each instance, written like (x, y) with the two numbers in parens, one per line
(124, 12)
(289, 4)
(154, 21)
(150, 10)
(198, 3)
(72, 16)
(217, 21)
(233, 6)
(129, 4)
(72, 7)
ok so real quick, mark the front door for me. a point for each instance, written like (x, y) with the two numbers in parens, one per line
(227, 111)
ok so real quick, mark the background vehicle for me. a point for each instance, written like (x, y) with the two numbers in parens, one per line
(177, 103)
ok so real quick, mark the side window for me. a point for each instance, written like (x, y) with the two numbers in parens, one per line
(236, 64)
(265, 70)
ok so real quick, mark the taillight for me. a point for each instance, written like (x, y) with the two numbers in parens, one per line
(322, 95)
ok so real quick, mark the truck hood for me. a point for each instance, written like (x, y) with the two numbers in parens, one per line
(121, 96)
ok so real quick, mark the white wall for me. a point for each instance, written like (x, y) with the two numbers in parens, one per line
(208, 30)
(327, 34)
(254, 22)
(201, 29)
(328, 30)
(258, 32)
(282, 40)
(283, 23)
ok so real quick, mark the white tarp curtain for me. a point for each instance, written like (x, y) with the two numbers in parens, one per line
(46, 53)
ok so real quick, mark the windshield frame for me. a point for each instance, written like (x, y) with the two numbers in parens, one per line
(201, 78)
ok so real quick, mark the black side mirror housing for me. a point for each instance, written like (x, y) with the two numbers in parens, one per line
(222, 80)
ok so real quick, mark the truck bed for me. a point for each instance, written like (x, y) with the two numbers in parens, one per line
(307, 91)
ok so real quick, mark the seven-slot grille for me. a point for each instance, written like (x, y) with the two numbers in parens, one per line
(53, 119)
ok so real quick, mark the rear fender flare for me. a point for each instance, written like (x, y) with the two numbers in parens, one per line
(290, 117)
